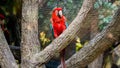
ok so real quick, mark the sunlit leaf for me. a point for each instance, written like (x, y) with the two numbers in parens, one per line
(96, 5)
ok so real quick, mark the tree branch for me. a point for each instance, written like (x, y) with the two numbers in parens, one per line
(29, 39)
(97, 45)
(117, 49)
(6, 58)
(41, 2)
(66, 37)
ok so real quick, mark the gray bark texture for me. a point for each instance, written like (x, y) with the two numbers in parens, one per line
(97, 45)
(29, 42)
(97, 63)
(6, 58)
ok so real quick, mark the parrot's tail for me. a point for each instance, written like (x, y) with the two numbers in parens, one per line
(62, 54)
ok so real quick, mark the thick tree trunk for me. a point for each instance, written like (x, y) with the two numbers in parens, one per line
(97, 45)
(29, 43)
(6, 58)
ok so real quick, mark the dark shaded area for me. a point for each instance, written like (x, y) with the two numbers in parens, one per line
(114, 66)
(12, 12)
(3, 2)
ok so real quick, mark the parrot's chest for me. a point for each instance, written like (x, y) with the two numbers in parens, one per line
(59, 27)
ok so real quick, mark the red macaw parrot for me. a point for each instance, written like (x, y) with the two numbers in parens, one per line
(58, 21)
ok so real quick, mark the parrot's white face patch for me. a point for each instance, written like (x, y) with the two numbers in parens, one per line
(60, 13)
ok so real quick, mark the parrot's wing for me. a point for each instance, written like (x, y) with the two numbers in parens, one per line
(51, 28)
(66, 24)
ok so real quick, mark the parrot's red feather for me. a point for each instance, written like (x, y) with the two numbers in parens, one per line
(58, 24)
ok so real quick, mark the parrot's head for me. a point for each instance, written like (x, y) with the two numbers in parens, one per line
(58, 12)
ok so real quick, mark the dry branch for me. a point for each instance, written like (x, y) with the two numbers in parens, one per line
(97, 45)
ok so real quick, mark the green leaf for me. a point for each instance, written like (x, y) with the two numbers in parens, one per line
(105, 4)
(101, 16)
(101, 27)
(100, 2)
(49, 3)
(105, 20)
(110, 4)
(96, 5)
(70, 1)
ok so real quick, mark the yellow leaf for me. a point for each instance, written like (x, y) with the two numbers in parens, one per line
(78, 40)
(79, 45)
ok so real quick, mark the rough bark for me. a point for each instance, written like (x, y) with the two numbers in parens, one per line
(6, 58)
(41, 2)
(85, 27)
(66, 37)
(29, 42)
(97, 45)
(97, 63)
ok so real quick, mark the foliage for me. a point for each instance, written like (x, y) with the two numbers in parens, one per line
(12, 12)
(78, 44)
(11, 6)
(43, 39)
(106, 10)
